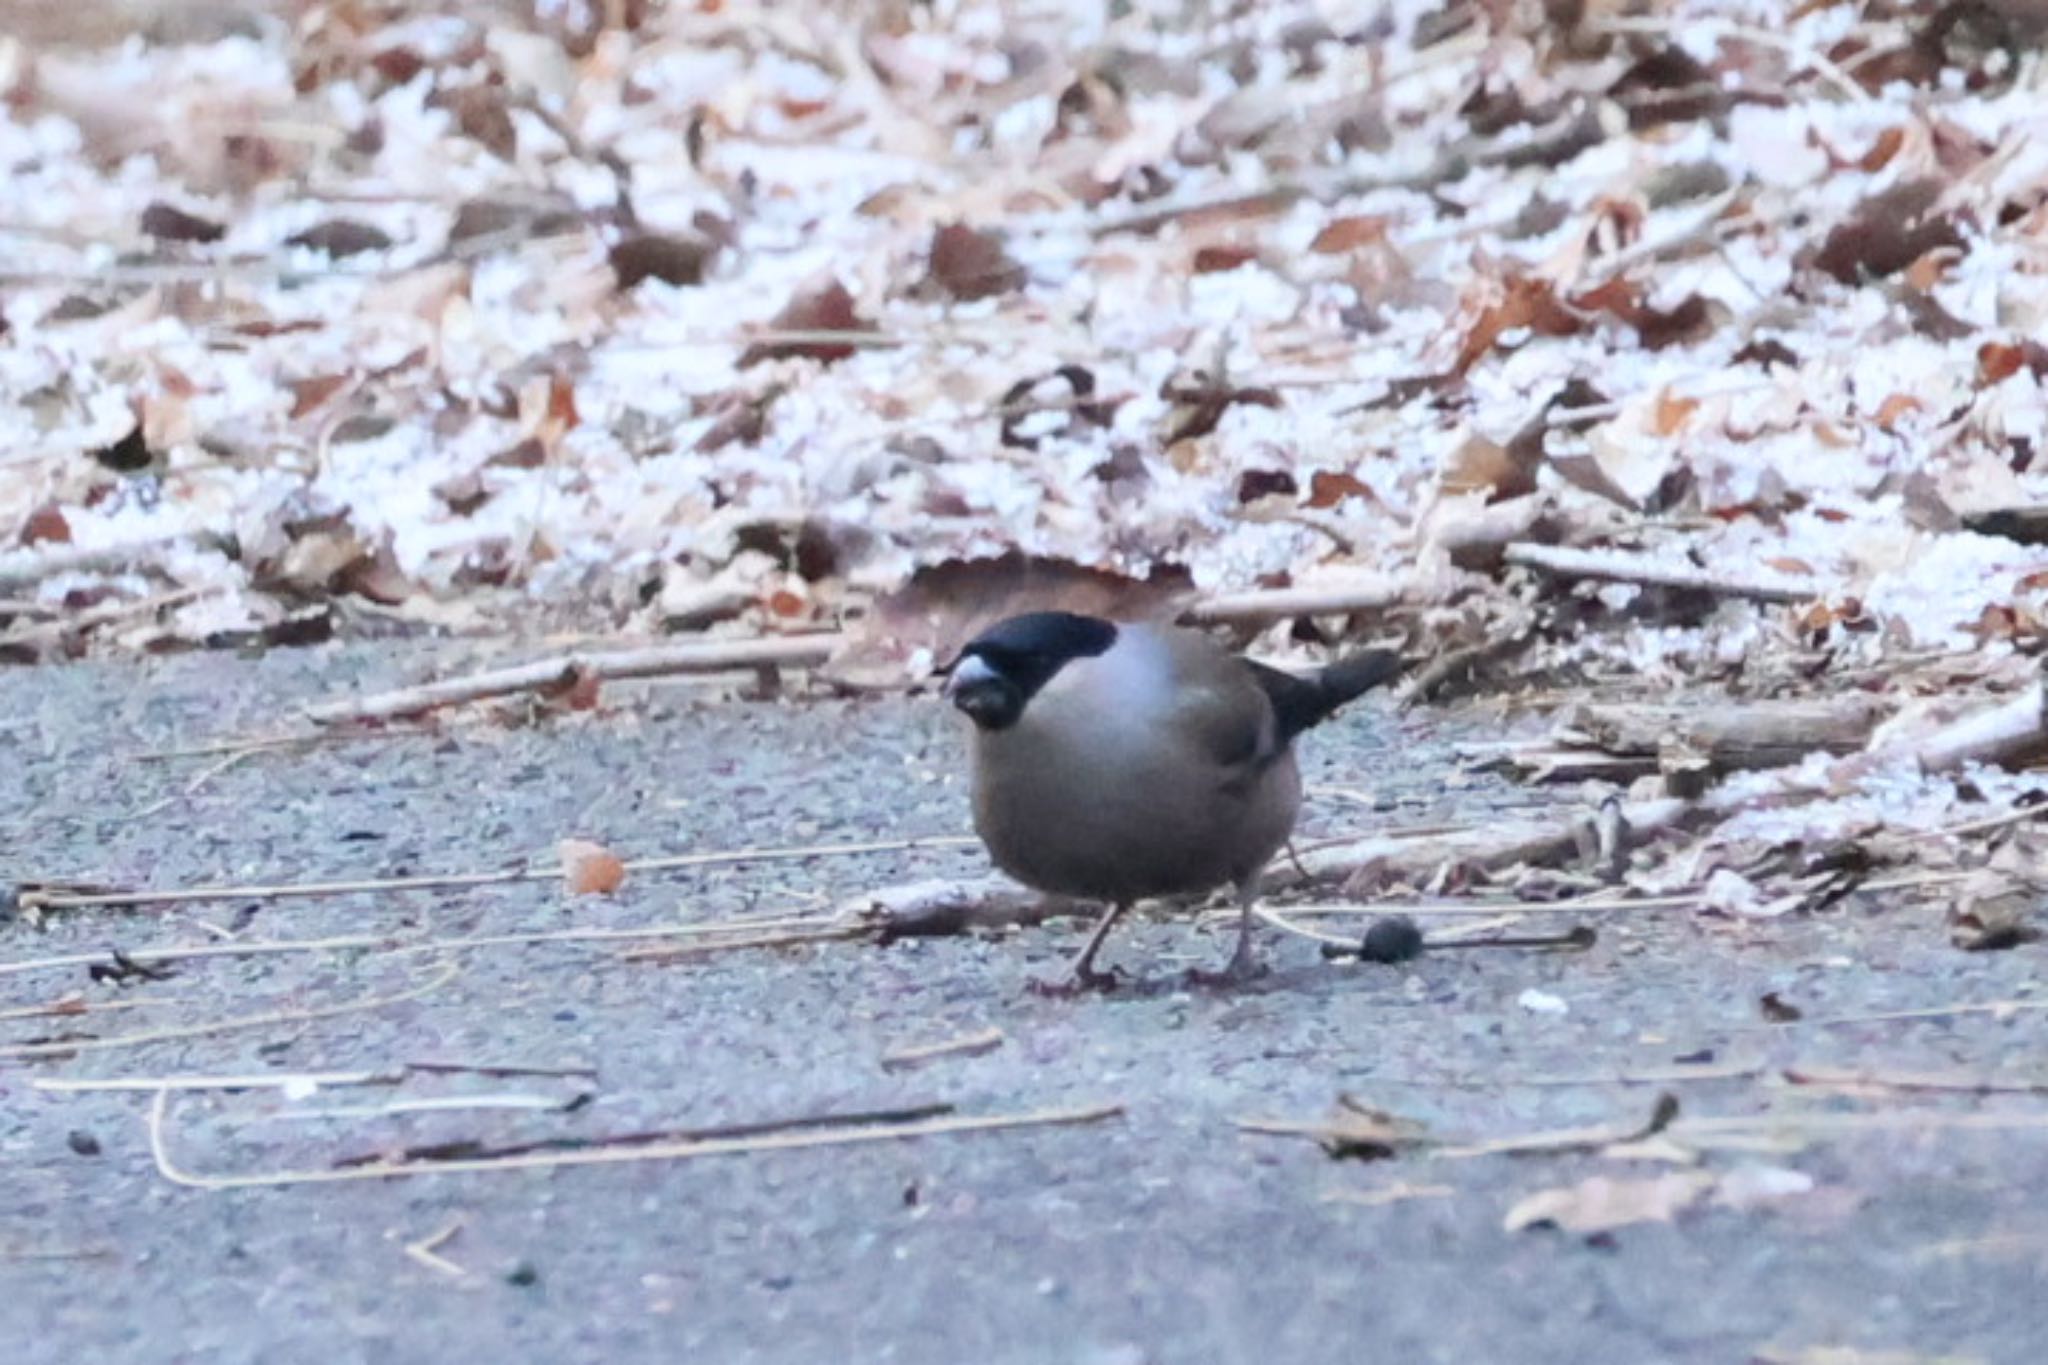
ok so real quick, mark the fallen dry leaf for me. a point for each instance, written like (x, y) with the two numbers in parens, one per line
(823, 308)
(589, 869)
(969, 263)
(670, 259)
(341, 237)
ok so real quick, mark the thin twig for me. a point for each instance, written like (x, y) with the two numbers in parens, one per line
(192, 787)
(1617, 566)
(426, 1250)
(388, 946)
(1863, 1078)
(502, 1071)
(265, 1081)
(267, 743)
(32, 1051)
(695, 656)
(1398, 1193)
(838, 1120)
(678, 1151)
(791, 939)
(73, 1005)
(966, 1045)
(370, 885)
(1278, 603)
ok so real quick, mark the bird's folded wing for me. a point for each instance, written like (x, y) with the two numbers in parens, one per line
(1228, 723)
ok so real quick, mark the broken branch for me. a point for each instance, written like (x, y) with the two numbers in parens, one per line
(1618, 566)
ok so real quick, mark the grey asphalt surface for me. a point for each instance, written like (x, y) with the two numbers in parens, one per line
(1165, 1235)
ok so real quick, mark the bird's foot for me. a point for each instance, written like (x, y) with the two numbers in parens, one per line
(1076, 982)
(1242, 969)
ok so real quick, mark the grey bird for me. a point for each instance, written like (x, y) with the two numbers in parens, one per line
(1118, 762)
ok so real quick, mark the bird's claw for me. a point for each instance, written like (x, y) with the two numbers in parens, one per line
(1241, 970)
(1074, 983)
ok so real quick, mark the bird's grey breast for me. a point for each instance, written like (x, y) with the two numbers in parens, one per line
(1098, 791)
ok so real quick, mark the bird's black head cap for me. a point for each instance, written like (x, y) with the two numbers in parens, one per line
(1001, 670)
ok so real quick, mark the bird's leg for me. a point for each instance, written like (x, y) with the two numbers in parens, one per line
(1244, 963)
(1082, 975)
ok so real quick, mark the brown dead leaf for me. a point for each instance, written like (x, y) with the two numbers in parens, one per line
(1344, 235)
(1929, 269)
(169, 223)
(309, 394)
(1522, 301)
(1882, 151)
(1672, 412)
(589, 869)
(970, 264)
(1215, 259)
(1327, 488)
(737, 419)
(527, 454)
(824, 308)
(377, 578)
(1894, 408)
(659, 256)
(1998, 361)
(1480, 465)
(341, 237)
(1887, 233)
(583, 693)
(1603, 1203)
(1656, 328)
(483, 116)
(46, 525)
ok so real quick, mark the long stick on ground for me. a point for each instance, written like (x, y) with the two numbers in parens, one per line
(1617, 566)
(35, 1051)
(672, 1151)
(790, 651)
(696, 656)
(58, 900)
(1998, 732)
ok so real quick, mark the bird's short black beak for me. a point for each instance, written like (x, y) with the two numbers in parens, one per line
(983, 695)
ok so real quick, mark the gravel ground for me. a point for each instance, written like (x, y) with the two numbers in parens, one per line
(1164, 1235)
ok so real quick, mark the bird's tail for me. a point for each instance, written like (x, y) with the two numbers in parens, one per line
(1301, 702)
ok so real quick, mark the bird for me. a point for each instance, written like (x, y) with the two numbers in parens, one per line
(1121, 761)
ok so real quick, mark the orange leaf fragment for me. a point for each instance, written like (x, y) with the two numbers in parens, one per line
(1348, 234)
(1672, 412)
(589, 869)
(1882, 151)
(1896, 407)
(1327, 488)
(47, 525)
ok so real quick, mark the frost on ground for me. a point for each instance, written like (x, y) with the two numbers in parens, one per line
(732, 316)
